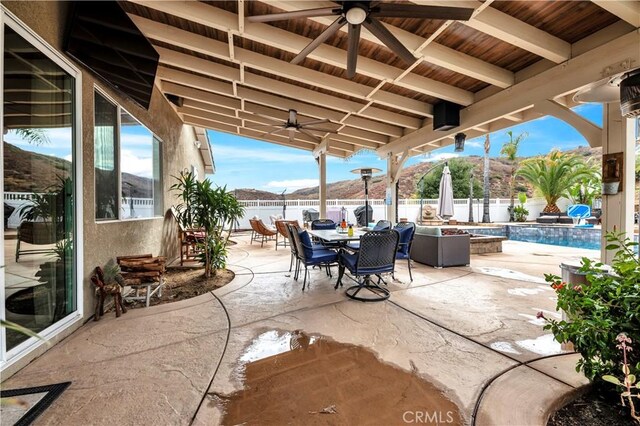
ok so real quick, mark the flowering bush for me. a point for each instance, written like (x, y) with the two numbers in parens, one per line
(630, 389)
(609, 304)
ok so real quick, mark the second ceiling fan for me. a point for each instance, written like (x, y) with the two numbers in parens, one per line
(367, 13)
(291, 126)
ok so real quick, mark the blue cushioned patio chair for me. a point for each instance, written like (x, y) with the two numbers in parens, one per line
(382, 225)
(311, 255)
(329, 224)
(406, 230)
(323, 224)
(377, 256)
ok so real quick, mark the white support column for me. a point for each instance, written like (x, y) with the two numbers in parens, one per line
(322, 167)
(618, 210)
(394, 165)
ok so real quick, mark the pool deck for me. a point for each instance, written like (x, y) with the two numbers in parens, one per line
(470, 331)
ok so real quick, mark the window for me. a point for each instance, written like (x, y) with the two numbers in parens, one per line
(128, 165)
(38, 115)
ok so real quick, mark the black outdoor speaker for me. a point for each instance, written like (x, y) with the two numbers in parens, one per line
(446, 115)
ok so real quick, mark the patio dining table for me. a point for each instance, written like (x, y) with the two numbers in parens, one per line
(333, 236)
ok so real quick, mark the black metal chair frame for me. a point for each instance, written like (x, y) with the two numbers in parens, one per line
(364, 269)
(410, 243)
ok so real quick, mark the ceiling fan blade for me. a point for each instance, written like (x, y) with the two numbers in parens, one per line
(384, 35)
(331, 30)
(292, 134)
(352, 50)
(314, 122)
(309, 135)
(307, 13)
(275, 132)
(398, 10)
(319, 129)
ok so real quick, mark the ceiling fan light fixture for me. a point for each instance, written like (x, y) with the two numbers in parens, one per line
(356, 15)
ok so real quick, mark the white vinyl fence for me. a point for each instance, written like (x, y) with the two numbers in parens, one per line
(130, 207)
(407, 208)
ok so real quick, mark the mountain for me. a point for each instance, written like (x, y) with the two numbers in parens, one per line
(26, 171)
(354, 189)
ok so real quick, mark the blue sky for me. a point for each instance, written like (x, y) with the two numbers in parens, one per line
(247, 163)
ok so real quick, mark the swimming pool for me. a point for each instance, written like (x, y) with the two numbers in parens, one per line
(567, 236)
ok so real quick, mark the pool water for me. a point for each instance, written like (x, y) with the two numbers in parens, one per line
(566, 236)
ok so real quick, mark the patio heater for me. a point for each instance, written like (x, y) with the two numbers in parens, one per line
(366, 173)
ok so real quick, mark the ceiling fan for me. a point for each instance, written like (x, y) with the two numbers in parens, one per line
(367, 13)
(291, 125)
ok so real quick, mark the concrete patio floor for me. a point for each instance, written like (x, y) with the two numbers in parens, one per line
(469, 331)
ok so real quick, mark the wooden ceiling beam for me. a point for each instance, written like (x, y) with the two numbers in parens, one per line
(628, 11)
(434, 53)
(518, 33)
(205, 67)
(563, 78)
(201, 96)
(217, 49)
(223, 20)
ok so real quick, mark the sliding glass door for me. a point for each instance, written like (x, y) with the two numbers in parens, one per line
(38, 189)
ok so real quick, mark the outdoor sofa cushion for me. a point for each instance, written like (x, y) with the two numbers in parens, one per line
(429, 230)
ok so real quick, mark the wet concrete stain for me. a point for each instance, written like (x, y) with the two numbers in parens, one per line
(296, 378)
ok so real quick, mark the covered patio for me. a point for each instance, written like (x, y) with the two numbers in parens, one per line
(468, 334)
(471, 332)
(509, 63)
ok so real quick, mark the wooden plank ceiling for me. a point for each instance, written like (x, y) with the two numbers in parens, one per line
(227, 70)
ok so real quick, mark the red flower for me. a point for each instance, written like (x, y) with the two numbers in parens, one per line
(540, 315)
(577, 287)
(557, 286)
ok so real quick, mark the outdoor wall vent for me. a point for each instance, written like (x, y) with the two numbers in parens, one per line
(446, 116)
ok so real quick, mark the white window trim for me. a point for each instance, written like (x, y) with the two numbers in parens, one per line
(120, 108)
(8, 358)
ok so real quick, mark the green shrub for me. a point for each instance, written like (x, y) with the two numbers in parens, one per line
(520, 213)
(600, 310)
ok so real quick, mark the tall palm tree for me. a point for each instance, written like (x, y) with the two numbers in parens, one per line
(510, 152)
(487, 194)
(554, 175)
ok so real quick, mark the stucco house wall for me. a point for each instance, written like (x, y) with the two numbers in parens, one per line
(105, 240)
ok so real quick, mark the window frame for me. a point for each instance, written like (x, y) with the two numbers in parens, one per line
(24, 349)
(117, 155)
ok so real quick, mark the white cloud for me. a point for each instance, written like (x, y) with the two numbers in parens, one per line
(440, 157)
(474, 144)
(139, 166)
(291, 184)
(240, 153)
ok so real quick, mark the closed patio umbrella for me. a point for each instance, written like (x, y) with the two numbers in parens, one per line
(445, 197)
